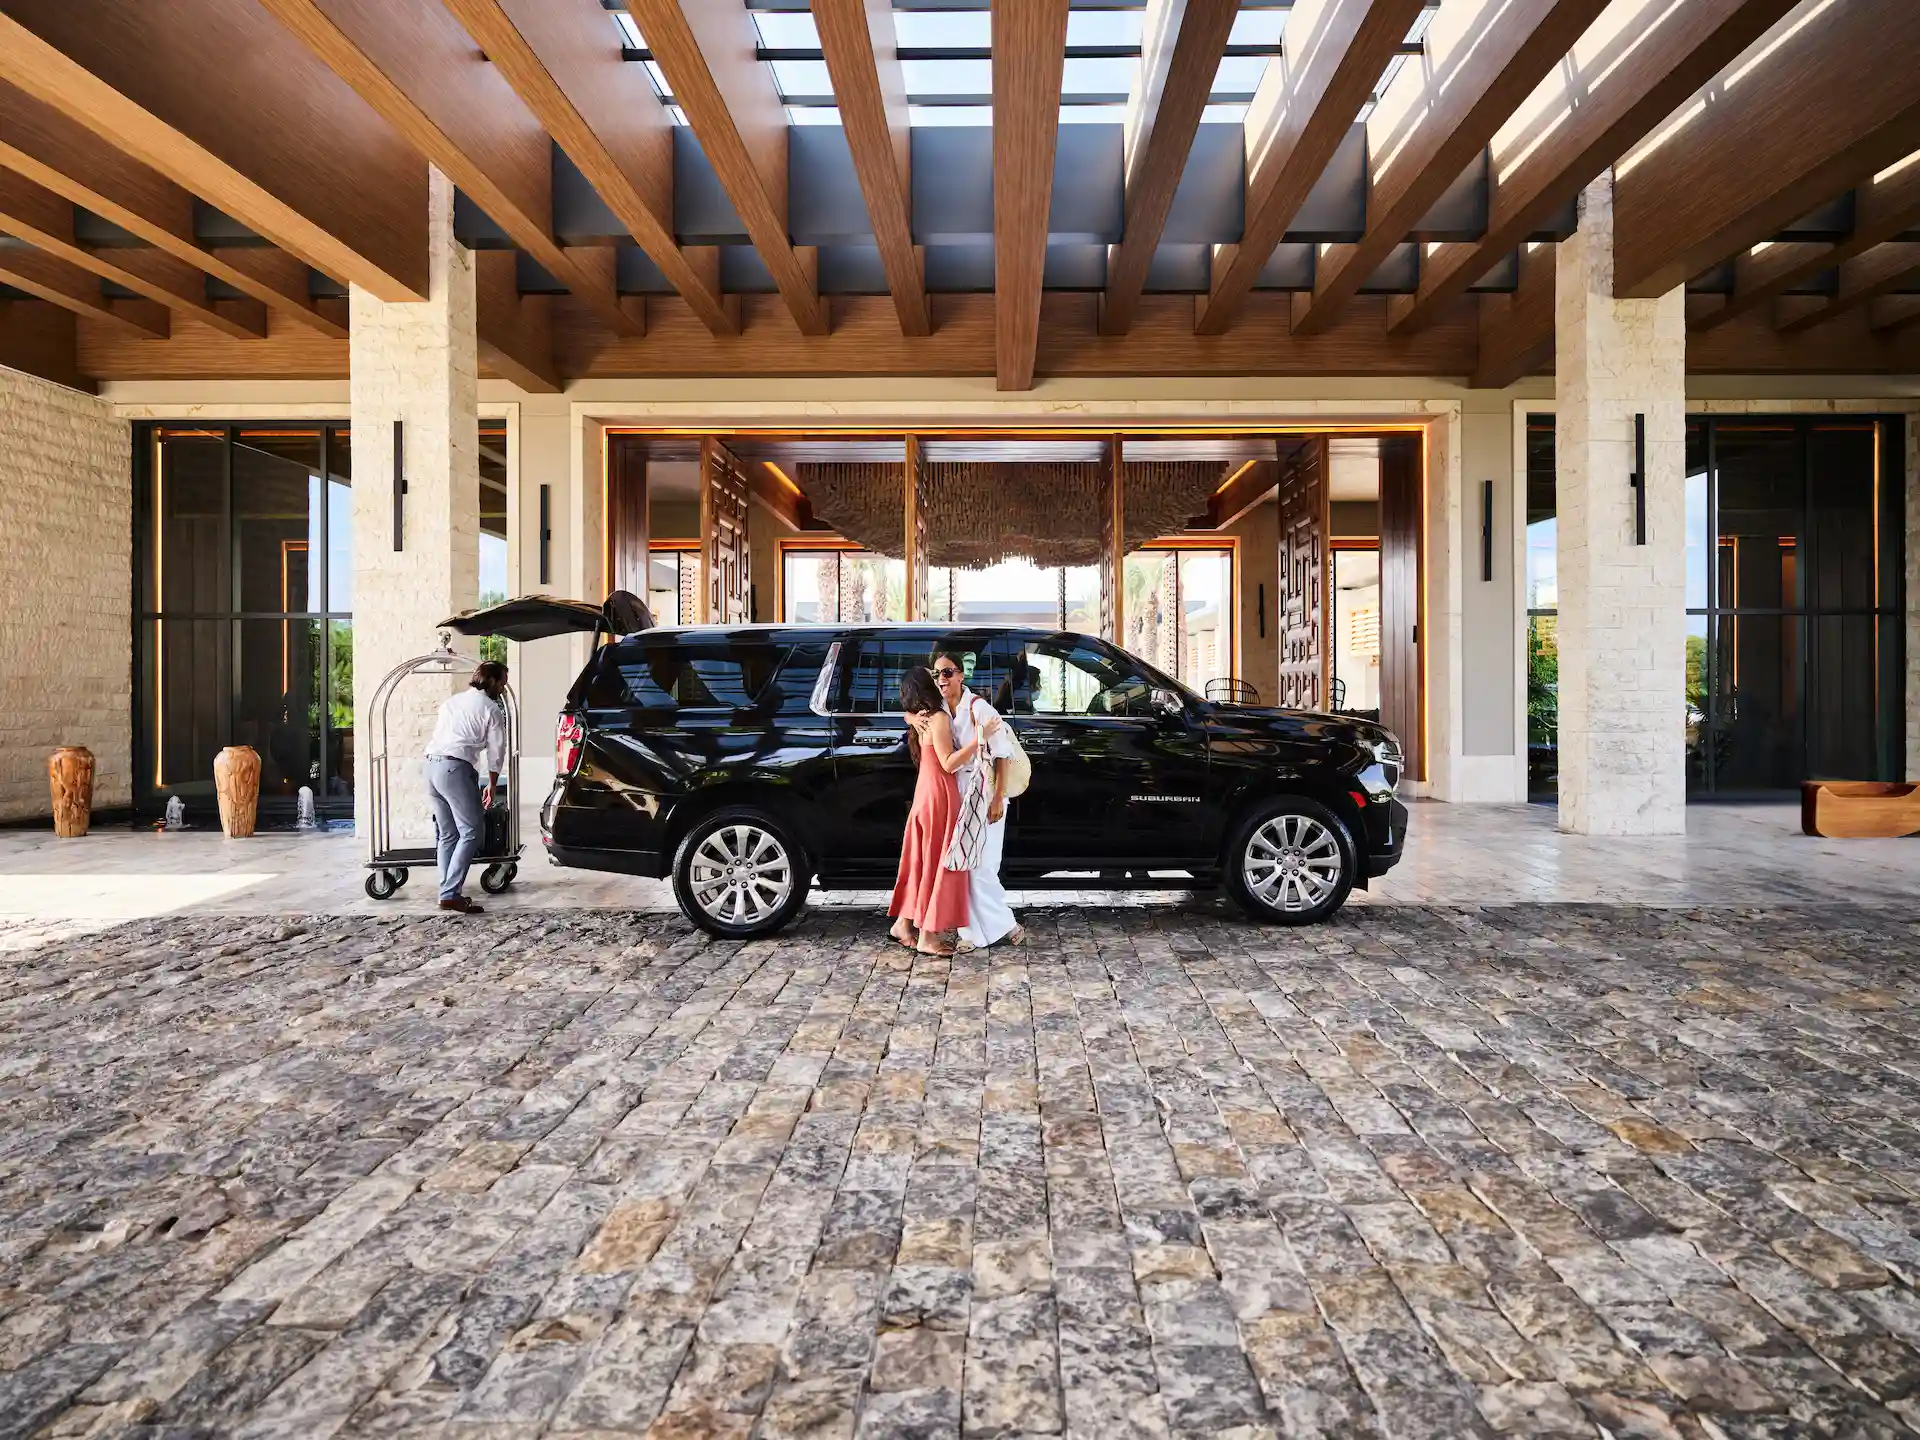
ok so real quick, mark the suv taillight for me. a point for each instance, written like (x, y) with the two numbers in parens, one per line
(567, 743)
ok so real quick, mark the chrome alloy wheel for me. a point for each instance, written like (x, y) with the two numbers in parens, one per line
(741, 874)
(1292, 863)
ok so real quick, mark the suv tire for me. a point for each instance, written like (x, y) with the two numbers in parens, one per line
(740, 874)
(1291, 861)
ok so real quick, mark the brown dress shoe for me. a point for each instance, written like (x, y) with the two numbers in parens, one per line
(461, 905)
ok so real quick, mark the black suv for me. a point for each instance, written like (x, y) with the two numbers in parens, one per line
(752, 762)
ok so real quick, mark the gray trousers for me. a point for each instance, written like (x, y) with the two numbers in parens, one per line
(454, 787)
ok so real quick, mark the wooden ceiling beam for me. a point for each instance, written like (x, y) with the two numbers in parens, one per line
(1863, 279)
(1029, 48)
(279, 142)
(1305, 104)
(45, 220)
(772, 487)
(559, 58)
(1243, 489)
(1893, 313)
(708, 50)
(63, 157)
(419, 69)
(1482, 61)
(1807, 114)
(857, 39)
(40, 339)
(515, 331)
(1183, 43)
(1633, 67)
(1516, 330)
(1886, 206)
(60, 282)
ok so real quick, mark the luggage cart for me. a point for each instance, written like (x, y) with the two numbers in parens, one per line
(388, 864)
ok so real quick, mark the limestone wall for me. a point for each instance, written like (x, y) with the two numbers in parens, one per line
(66, 538)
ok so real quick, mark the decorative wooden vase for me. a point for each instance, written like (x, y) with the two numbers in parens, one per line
(70, 777)
(236, 779)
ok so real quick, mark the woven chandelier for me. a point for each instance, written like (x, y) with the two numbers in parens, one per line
(981, 514)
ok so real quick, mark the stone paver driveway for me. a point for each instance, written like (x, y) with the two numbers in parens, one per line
(1535, 1171)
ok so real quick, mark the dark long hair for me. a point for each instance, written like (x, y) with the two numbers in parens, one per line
(919, 694)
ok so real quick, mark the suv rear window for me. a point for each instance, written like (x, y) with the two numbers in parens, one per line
(715, 674)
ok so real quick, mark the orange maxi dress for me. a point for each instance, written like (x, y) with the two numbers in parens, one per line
(926, 892)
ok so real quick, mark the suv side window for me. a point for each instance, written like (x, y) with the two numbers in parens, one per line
(874, 687)
(1060, 676)
(705, 675)
(791, 694)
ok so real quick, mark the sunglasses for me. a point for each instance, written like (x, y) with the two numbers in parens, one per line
(946, 672)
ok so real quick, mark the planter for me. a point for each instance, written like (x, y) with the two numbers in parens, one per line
(236, 779)
(70, 777)
(1859, 809)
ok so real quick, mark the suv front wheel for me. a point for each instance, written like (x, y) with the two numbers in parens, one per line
(1291, 862)
(739, 874)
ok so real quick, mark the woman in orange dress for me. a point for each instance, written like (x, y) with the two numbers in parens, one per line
(928, 897)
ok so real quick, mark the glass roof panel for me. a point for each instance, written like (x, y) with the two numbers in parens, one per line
(1239, 74)
(813, 114)
(950, 115)
(659, 76)
(1104, 27)
(1224, 114)
(943, 27)
(629, 30)
(948, 77)
(801, 77)
(787, 29)
(1258, 27)
(1099, 77)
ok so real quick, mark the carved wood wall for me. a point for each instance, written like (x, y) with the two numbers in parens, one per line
(1304, 578)
(727, 595)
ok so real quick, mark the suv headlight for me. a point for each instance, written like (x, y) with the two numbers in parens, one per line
(1387, 758)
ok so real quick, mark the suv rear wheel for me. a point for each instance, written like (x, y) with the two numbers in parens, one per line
(739, 874)
(1291, 862)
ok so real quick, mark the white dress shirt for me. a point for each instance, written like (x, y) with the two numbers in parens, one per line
(470, 726)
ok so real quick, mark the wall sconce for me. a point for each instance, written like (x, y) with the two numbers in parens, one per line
(1486, 530)
(546, 534)
(1638, 480)
(399, 486)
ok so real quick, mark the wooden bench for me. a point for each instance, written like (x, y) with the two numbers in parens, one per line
(1859, 809)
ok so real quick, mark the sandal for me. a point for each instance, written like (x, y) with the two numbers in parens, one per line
(907, 939)
(1017, 935)
(941, 948)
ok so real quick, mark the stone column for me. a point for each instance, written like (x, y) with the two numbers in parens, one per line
(1622, 605)
(418, 364)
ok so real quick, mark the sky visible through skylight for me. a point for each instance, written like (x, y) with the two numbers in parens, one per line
(959, 90)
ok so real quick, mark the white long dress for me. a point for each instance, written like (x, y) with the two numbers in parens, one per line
(990, 918)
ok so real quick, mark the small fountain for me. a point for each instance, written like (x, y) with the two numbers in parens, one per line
(305, 819)
(176, 814)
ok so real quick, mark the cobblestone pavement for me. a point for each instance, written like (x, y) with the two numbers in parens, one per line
(1420, 1172)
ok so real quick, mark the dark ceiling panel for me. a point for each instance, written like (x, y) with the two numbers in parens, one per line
(1460, 213)
(852, 269)
(1832, 221)
(1075, 267)
(1088, 181)
(1399, 273)
(1335, 211)
(702, 213)
(952, 185)
(636, 274)
(1209, 206)
(824, 203)
(743, 272)
(960, 269)
(1503, 278)
(580, 216)
(1290, 267)
(1179, 269)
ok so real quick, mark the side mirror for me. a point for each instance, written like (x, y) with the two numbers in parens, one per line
(1167, 705)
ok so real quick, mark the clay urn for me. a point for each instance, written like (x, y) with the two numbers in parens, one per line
(236, 779)
(70, 777)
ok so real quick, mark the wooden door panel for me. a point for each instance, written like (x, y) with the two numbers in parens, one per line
(627, 513)
(727, 597)
(1400, 699)
(1304, 583)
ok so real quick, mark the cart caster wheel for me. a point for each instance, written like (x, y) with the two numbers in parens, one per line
(398, 877)
(380, 884)
(496, 878)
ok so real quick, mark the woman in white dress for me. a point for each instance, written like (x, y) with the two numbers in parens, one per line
(991, 919)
